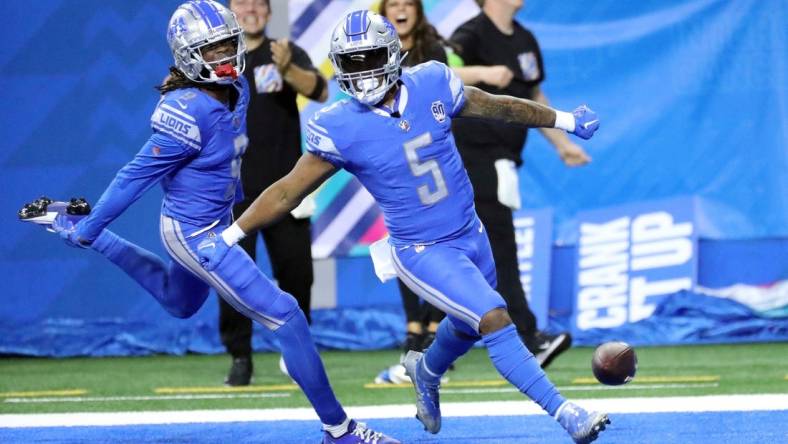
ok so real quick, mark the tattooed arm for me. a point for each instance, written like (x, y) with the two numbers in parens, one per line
(510, 109)
(582, 122)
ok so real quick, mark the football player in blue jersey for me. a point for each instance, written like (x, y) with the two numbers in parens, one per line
(199, 135)
(394, 135)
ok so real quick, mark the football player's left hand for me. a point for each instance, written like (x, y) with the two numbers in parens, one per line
(67, 231)
(572, 154)
(281, 55)
(212, 251)
(586, 122)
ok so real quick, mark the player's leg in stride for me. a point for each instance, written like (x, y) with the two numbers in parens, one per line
(457, 276)
(428, 409)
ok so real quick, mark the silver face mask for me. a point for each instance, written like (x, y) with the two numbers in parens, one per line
(200, 23)
(365, 52)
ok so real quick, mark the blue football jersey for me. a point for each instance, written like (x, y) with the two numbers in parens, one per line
(203, 189)
(195, 152)
(409, 163)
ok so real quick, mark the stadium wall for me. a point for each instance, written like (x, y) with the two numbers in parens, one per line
(692, 97)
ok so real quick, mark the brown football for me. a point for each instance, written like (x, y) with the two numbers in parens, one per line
(614, 363)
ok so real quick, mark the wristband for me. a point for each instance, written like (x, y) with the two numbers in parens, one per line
(320, 85)
(232, 234)
(564, 121)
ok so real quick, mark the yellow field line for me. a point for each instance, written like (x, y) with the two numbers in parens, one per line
(37, 393)
(488, 383)
(686, 378)
(248, 389)
(501, 382)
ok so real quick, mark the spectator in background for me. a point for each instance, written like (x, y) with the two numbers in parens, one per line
(491, 151)
(421, 42)
(277, 71)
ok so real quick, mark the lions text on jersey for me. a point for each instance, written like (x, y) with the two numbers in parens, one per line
(406, 159)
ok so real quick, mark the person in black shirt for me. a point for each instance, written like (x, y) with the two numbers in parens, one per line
(277, 71)
(492, 152)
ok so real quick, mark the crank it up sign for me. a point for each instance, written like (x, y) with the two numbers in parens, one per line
(631, 256)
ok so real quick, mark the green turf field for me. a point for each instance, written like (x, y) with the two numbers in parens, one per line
(194, 381)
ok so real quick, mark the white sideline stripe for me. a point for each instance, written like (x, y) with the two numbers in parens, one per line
(142, 398)
(715, 403)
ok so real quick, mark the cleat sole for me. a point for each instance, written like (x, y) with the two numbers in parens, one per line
(599, 426)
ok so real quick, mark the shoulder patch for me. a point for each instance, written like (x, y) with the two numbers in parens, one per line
(174, 118)
(320, 143)
(317, 137)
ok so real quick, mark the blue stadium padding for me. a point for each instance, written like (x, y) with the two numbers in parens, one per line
(755, 262)
(342, 328)
(80, 104)
(133, 323)
(692, 318)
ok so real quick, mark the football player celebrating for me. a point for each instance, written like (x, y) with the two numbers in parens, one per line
(394, 135)
(199, 135)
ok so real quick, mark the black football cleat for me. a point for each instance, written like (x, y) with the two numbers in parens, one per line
(36, 208)
(240, 372)
(546, 347)
(44, 210)
(78, 207)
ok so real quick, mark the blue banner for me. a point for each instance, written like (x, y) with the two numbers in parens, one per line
(629, 257)
(692, 97)
(533, 233)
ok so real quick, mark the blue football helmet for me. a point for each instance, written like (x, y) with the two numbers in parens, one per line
(197, 24)
(365, 52)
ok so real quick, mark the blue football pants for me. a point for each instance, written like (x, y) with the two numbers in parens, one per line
(182, 286)
(458, 277)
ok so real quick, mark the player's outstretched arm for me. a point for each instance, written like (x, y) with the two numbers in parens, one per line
(159, 156)
(286, 193)
(272, 204)
(582, 121)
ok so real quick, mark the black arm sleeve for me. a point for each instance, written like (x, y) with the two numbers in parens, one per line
(301, 59)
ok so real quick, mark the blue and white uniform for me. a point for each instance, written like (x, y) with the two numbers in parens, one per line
(407, 159)
(195, 154)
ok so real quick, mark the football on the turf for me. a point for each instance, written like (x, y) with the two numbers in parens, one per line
(614, 363)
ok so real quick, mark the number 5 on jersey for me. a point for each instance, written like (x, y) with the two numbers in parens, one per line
(419, 168)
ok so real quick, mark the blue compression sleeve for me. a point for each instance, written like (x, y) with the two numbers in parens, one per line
(305, 367)
(159, 156)
(515, 363)
(449, 345)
